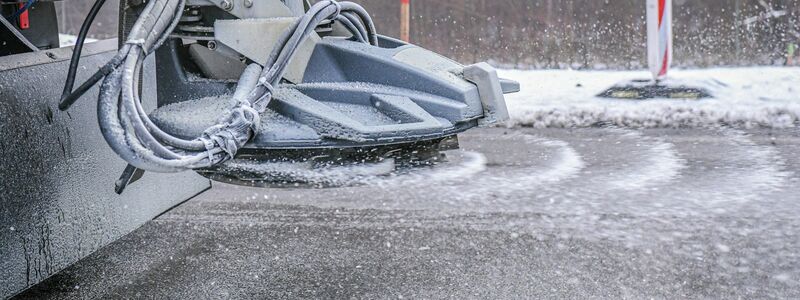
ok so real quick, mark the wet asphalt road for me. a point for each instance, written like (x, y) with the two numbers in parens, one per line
(519, 214)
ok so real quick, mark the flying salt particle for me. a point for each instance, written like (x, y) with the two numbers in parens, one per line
(783, 277)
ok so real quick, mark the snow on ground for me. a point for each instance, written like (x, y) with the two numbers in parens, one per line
(743, 97)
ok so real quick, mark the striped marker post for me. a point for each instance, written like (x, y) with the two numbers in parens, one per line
(659, 37)
(405, 20)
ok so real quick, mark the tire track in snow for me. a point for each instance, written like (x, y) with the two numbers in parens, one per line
(769, 173)
(567, 164)
(464, 184)
(660, 164)
(467, 165)
(620, 163)
(727, 177)
(747, 172)
(690, 176)
(499, 188)
(544, 174)
(620, 185)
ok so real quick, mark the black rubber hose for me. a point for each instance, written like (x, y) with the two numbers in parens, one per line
(127, 128)
(351, 28)
(71, 97)
(76, 56)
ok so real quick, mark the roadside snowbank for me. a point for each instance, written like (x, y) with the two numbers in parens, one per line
(744, 97)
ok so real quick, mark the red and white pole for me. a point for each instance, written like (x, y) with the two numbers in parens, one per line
(405, 20)
(659, 37)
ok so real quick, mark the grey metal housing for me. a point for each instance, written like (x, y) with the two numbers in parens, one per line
(57, 198)
(354, 94)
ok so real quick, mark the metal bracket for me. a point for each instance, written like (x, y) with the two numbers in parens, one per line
(238, 35)
(249, 9)
(491, 92)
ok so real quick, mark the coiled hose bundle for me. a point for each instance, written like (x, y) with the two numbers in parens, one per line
(134, 137)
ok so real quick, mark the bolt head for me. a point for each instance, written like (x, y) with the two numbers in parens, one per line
(248, 3)
(226, 4)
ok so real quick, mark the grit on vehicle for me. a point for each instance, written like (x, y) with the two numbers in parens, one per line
(189, 88)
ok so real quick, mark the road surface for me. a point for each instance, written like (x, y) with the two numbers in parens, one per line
(518, 214)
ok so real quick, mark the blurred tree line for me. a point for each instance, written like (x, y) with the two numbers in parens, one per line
(570, 33)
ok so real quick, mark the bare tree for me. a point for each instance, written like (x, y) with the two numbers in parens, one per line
(564, 33)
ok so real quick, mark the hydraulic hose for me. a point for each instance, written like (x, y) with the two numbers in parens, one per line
(78, 48)
(134, 137)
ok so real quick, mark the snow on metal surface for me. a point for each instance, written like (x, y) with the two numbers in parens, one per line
(57, 176)
(296, 173)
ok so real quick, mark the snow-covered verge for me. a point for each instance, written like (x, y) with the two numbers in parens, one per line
(743, 97)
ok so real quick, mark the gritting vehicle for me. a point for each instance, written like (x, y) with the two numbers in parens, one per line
(221, 88)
